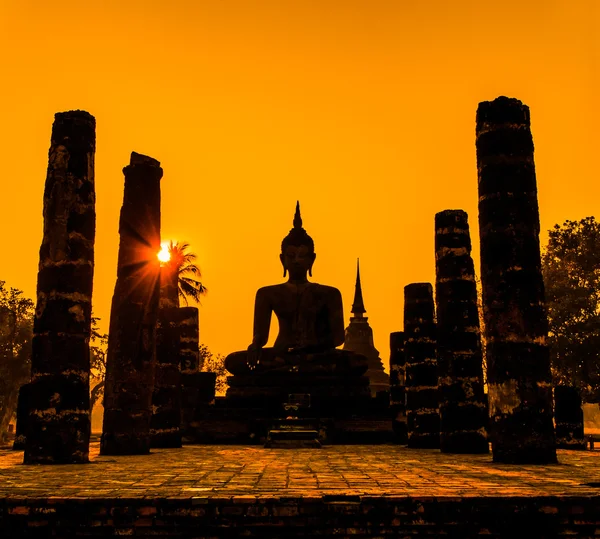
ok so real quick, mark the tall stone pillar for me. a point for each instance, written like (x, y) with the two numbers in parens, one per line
(58, 428)
(516, 324)
(397, 386)
(131, 354)
(463, 409)
(569, 418)
(422, 414)
(166, 398)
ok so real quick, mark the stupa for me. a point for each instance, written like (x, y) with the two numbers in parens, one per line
(359, 339)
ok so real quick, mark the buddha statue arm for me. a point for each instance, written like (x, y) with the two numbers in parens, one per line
(262, 320)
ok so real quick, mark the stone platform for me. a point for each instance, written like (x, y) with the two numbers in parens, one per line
(357, 491)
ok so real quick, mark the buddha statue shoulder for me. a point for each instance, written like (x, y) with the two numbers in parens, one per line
(310, 316)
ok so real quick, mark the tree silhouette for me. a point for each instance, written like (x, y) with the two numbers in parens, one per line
(183, 263)
(571, 268)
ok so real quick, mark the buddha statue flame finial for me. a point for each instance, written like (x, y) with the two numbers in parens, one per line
(297, 218)
(297, 235)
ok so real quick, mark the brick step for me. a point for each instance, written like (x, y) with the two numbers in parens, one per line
(296, 423)
(293, 444)
(293, 434)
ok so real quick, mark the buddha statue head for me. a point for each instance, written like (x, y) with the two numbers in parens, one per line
(297, 250)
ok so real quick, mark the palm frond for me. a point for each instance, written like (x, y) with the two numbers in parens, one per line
(183, 263)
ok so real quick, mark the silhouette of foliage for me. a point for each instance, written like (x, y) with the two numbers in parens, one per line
(188, 273)
(16, 332)
(212, 363)
(98, 344)
(571, 269)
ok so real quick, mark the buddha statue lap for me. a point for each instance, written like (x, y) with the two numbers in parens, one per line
(311, 322)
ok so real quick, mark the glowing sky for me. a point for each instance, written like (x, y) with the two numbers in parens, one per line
(362, 110)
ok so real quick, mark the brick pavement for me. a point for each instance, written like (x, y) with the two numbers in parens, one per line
(246, 473)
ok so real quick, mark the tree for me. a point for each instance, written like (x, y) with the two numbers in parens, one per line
(183, 263)
(216, 364)
(571, 269)
(98, 344)
(16, 333)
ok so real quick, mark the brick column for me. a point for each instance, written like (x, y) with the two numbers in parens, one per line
(58, 428)
(516, 325)
(463, 410)
(569, 418)
(190, 340)
(166, 399)
(397, 386)
(422, 414)
(131, 355)
(192, 380)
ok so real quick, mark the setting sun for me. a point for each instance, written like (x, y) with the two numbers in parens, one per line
(164, 255)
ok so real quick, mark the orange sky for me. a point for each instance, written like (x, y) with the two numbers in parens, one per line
(363, 110)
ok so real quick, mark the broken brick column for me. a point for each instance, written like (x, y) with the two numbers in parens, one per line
(568, 415)
(514, 310)
(58, 426)
(397, 386)
(190, 340)
(131, 354)
(166, 398)
(463, 410)
(422, 414)
(192, 380)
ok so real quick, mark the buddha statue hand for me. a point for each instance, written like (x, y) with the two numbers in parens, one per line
(253, 356)
(257, 360)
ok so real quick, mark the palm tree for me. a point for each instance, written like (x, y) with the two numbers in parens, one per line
(183, 263)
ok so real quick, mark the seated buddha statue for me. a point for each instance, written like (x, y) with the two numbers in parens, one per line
(311, 321)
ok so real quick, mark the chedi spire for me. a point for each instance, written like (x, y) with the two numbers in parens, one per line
(358, 306)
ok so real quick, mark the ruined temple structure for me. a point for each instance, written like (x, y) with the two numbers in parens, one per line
(359, 339)
(568, 416)
(463, 408)
(397, 386)
(303, 386)
(131, 354)
(422, 414)
(516, 324)
(58, 425)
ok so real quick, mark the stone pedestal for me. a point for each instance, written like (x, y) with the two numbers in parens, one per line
(568, 416)
(397, 386)
(58, 427)
(131, 355)
(463, 411)
(516, 325)
(422, 414)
